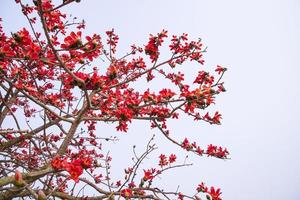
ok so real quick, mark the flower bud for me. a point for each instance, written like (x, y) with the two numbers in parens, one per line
(19, 182)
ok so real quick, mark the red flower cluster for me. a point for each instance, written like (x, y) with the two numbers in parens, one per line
(164, 160)
(91, 82)
(126, 193)
(220, 69)
(50, 76)
(80, 51)
(74, 167)
(213, 120)
(204, 78)
(151, 48)
(54, 18)
(181, 46)
(172, 158)
(30, 50)
(214, 193)
(73, 41)
(112, 40)
(216, 151)
(191, 146)
(58, 163)
(149, 174)
(211, 150)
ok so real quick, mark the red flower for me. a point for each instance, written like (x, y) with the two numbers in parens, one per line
(163, 160)
(211, 150)
(172, 158)
(204, 77)
(131, 184)
(57, 163)
(23, 37)
(200, 151)
(215, 194)
(112, 40)
(86, 162)
(217, 117)
(221, 88)
(148, 175)
(72, 41)
(166, 93)
(215, 151)
(126, 193)
(118, 184)
(151, 48)
(202, 188)
(186, 144)
(220, 69)
(75, 169)
(180, 196)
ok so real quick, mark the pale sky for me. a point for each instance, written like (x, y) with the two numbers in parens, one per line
(259, 42)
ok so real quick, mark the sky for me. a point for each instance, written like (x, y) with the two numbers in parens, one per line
(258, 41)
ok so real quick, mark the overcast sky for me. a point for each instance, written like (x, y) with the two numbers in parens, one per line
(259, 42)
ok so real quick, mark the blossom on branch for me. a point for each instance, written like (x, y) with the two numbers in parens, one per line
(55, 99)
